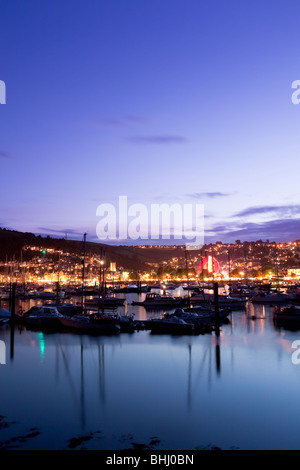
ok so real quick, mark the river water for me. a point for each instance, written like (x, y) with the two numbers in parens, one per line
(144, 391)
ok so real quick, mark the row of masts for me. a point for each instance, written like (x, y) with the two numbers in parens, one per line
(14, 266)
(101, 272)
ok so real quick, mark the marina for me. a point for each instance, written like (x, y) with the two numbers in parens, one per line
(181, 389)
(149, 228)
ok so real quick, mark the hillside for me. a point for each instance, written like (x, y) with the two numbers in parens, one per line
(130, 257)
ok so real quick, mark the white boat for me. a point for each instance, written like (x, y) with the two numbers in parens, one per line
(155, 300)
(42, 316)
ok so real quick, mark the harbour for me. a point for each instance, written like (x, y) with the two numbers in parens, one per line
(149, 229)
(232, 388)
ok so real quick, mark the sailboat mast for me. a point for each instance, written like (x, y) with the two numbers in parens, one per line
(83, 270)
(228, 253)
(187, 278)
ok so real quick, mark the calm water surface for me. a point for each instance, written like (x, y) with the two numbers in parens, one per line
(238, 391)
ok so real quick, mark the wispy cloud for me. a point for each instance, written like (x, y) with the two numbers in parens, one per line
(5, 154)
(70, 233)
(274, 230)
(287, 210)
(209, 195)
(60, 231)
(157, 140)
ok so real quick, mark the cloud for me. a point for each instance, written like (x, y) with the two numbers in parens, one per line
(275, 230)
(287, 210)
(4, 154)
(71, 234)
(158, 139)
(210, 195)
(68, 231)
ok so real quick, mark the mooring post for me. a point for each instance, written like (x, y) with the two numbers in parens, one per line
(216, 301)
(217, 325)
(10, 296)
(13, 301)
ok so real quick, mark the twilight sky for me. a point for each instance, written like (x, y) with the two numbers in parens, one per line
(162, 101)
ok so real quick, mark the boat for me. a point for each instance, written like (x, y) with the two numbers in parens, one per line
(155, 300)
(202, 322)
(66, 308)
(5, 316)
(4, 296)
(289, 313)
(293, 289)
(104, 302)
(171, 324)
(132, 288)
(242, 292)
(225, 301)
(127, 322)
(294, 296)
(208, 312)
(193, 287)
(270, 298)
(42, 316)
(233, 303)
(90, 324)
(168, 286)
(44, 295)
(189, 316)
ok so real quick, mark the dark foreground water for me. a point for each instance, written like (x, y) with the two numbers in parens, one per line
(132, 391)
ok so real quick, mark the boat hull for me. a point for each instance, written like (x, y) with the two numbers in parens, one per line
(83, 324)
(288, 314)
(234, 303)
(171, 326)
(105, 303)
(42, 322)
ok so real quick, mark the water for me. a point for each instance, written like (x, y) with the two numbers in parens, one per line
(138, 390)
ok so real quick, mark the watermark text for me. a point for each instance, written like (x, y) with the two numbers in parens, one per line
(2, 352)
(296, 354)
(2, 92)
(160, 222)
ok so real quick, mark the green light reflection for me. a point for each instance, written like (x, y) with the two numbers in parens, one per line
(42, 341)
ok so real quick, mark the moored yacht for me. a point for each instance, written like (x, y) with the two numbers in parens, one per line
(225, 301)
(270, 298)
(171, 324)
(90, 324)
(154, 300)
(290, 313)
(42, 316)
(104, 302)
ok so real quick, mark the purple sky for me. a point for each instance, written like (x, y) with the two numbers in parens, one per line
(162, 101)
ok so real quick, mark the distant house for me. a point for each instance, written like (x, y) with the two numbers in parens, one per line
(294, 272)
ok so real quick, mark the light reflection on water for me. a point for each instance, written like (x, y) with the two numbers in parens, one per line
(238, 390)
